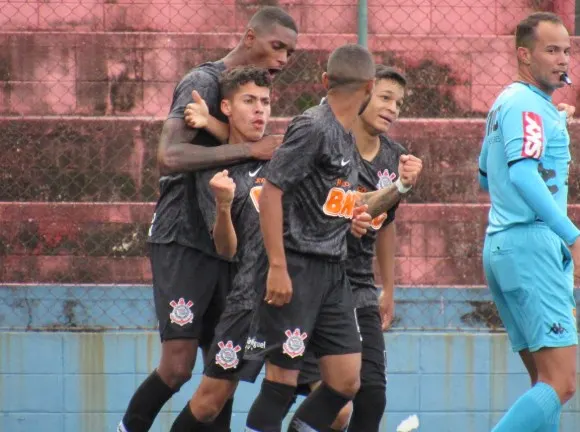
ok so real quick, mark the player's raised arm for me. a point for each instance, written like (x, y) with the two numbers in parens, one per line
(224, 234)
(383, 200)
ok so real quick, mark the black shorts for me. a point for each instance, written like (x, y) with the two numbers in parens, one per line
(320, 315)
(190, 290)
(225, 355)
(373, 368)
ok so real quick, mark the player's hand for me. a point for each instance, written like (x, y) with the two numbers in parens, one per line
(361, 221)
(264, 149)
(387, 310)
(410, 168)
(196, 114)
(223, 188)
(570, 110)
(278, 287)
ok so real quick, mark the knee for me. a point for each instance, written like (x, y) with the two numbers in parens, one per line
(282, 376)
(349, 385)
(567, 389)
(209, 400)
(176, 372)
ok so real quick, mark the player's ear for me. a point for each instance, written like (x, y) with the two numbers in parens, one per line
(226, 107)
(370, 86)
(249, 38)
(524, 55)
(325, 80)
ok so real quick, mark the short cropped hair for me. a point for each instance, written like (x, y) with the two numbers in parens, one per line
(526, 29)
(350, 64)
(266, 17)
(390, 73)
(231, 80)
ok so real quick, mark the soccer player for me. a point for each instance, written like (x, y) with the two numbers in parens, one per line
(190, 280)
(228, 200)
(531, 244)
(379, 169)
(307, 198)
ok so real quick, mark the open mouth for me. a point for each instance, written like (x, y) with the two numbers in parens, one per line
(273, 72)
(259, 123)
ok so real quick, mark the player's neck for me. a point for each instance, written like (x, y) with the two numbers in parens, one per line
(236, 137)
(368, 144)
(525, 76)
(343, 109)
(236, 57)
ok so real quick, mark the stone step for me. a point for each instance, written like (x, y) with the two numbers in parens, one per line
(438, 244)
(134, 73)
(95, 159)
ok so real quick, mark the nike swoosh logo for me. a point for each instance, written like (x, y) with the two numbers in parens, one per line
(343, 163)
(253, 174)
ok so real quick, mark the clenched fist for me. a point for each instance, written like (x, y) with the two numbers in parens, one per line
(223, 187)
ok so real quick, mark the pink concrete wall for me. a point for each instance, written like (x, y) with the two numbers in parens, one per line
(133, 74)
(409, 17)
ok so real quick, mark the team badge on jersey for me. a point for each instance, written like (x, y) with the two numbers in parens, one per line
(533, 145)
(181, 313)
(294, 345)
(385, 179)
(227, 357)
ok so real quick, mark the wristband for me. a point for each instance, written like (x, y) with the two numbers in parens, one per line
(401, 187)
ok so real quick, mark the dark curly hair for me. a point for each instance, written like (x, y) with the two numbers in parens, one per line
(232, 79)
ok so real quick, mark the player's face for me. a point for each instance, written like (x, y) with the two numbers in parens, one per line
(384, 107)
(248, 112)
(271, 49)
(550, 55)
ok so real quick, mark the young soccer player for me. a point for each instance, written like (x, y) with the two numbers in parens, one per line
(190, 280)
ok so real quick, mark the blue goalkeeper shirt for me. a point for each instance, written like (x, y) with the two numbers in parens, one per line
(525, 161)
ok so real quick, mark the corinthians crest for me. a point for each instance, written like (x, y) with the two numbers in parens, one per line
(385, 179)
(294, 345)
(181, 313)
(227, 357)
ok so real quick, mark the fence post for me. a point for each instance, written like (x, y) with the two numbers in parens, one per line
(363, 21)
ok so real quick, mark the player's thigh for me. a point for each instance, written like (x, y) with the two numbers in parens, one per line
(491, 267)
(217, 304)
(373, 367)
(286, 331)
(225, 355)
(534, 272)
(336, 330)
(184, 280)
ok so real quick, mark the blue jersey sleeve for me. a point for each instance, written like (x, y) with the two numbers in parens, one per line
(525, 177)
(482, 177)
(521, 125)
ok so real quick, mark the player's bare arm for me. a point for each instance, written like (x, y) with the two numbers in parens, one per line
(224, 234)
(385, 253)
(278, 285)
(176, 153)
(383, 200)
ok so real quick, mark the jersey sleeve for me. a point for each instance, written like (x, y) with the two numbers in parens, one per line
(522, 128)
(206, 85)
(205, 197)
(296, 157)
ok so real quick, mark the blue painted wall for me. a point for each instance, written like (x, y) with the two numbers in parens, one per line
(81, 381)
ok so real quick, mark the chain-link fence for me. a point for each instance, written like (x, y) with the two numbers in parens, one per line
(85, 86)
